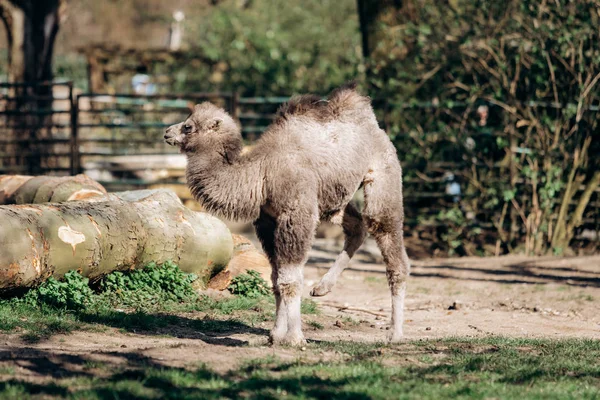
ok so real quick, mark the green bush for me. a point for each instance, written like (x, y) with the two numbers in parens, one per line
(151, 285)
(274, 47)
(250, 284)
(72, 292)
(505, 95)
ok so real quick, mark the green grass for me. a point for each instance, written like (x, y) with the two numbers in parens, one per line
(39, 323)
(151, 299)
(456, 368)
(315, 325)
(310, 307)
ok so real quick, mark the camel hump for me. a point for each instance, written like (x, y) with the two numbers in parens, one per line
(306, 104)
(343, 99)
(346, 99)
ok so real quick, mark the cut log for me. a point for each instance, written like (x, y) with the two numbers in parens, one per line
(19, 189)
(245, 257)
(118, 232)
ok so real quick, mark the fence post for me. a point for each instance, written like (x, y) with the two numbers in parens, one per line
(235, 98)
(74, 134)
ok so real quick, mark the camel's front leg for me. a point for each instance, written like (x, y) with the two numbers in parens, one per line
(292, 240)
(281, 318)
(290, 282)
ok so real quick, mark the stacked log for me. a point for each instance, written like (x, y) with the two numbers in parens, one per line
(116, 232)
(85, 229)
(21, 189)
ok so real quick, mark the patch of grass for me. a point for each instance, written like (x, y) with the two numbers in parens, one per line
(35, 323)
(315, 325)
(147, 300)
(580, 296)
(374, 279)
(249, 284)
(310, 307)
(348, 320)
(499, 368)
(424, 290)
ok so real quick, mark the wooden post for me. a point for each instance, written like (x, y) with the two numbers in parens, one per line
(75, 156)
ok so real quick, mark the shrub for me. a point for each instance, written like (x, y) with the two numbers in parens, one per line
(250, 284)
(72, 292)
(504, 95)
(151, 285)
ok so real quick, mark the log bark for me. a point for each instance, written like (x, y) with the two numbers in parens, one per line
(22, 189)
(119, 232)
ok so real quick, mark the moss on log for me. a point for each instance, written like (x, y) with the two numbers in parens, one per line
(118, 232)
(20, 189)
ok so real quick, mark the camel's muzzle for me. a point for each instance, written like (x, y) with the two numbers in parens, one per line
(171, 136)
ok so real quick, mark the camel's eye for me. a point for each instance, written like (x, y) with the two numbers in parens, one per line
(187, 128)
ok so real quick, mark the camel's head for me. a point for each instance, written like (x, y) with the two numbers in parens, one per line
(208, 129)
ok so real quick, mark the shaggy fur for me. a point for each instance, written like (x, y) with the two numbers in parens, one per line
(305, 168)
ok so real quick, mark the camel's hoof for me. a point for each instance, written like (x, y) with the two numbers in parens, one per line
(395, 337)
(276, 338)
(320, 290)
(289, 340)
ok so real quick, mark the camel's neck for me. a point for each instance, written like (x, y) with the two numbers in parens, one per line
(231, 190)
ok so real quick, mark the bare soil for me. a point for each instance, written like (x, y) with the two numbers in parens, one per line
(515, 296)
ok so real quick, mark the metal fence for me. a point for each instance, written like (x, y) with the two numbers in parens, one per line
(119, 138)
(36, 128)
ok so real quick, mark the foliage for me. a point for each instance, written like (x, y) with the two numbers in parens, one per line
(249, 284)
(507, 95)
(457, 233)
(274, 47)
(149, 286)
(72, 293)
(137, 300)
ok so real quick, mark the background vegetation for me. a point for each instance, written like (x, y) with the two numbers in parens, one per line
(501, 99)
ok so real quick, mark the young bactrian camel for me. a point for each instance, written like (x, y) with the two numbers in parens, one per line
(304, 169)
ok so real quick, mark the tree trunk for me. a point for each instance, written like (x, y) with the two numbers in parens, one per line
(375, 17)
(22, 189)
(118, 232)
(31, 28)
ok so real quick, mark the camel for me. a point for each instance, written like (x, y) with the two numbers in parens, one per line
(304, 169)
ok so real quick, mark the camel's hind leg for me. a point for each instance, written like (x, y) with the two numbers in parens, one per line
(384, 215)
(355, 232)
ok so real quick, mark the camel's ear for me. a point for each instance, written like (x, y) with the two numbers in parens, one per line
(215, 124)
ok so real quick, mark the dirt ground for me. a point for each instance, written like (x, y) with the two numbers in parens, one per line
(467, 297)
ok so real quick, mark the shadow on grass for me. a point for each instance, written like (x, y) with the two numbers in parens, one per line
(209, 330)
(213, 331)
(465, 366)
(140, 377)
